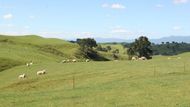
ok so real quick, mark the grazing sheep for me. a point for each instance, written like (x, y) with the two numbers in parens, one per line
(22, 76)
(68, 60)
(64, 61)
(41, 72)
(142, 58)
(134, 58)
(27, 64)
(31, 63)
(74, 60)
(87, 60)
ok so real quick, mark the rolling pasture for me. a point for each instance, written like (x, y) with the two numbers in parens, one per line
(156, 83)
(160, 82)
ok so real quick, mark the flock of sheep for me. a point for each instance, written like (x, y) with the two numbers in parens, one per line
(74, 60)
(144, 58)
(42, 72)
(137, 58)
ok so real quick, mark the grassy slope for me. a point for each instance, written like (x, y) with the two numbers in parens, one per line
(109, 55)
(34, 48)
(100, 84)
(61, 45)
(22, 49)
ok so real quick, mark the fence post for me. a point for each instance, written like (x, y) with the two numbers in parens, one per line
(73, 82)
(184, 66)
(154, 70)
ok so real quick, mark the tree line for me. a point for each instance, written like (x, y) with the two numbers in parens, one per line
(165, 48)
(141, 47)
(168, 49)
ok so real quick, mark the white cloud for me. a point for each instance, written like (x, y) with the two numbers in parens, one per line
(119, 30)
(177, 28)
(8, 16)
(5, 7)
(159, 6)
(16, 33)
(10, 25)
(114, 6)
(180, 1)
(6, 26)
(105, 5)
(117, 6)
(32, 17)
(66, 35)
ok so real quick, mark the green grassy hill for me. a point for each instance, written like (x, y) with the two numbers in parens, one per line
(160, 82)
(122, 51)
(22, 49)
(18, 50)
(155, 83)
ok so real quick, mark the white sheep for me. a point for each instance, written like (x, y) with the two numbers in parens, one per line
(22, 76)
(64, 61)
(74, 60)
(68, 60)
(41, 72)
(31, 63)
(87, 60)
(134, 58)
(143, 58)
(27, 64)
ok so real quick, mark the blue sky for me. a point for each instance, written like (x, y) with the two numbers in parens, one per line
(126, 19)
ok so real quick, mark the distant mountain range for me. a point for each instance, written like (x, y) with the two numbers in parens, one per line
(157, 41)
(103, 40)
(172, 38)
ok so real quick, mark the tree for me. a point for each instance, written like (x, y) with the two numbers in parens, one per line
(86, 48)
(100, 48)
(141, 48)
(130, 52)
(108, 48)
(116, 51)
(87, 43)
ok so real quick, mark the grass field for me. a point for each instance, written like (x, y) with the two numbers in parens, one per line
(156, 83)
(122, 51)
(159, 82)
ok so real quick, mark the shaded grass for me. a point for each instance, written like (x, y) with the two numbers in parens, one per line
(8, 63)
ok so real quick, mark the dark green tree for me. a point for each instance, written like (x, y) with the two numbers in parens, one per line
(86, 48)
(87, 43)
(141, 48)
(108, 48)
(116, 51)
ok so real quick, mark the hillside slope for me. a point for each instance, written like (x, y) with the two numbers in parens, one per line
(155, 83)
(18, 50)
(23, 49)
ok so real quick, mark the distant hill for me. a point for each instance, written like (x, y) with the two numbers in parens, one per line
(160, 40)
(105, 40)
(172, 38)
